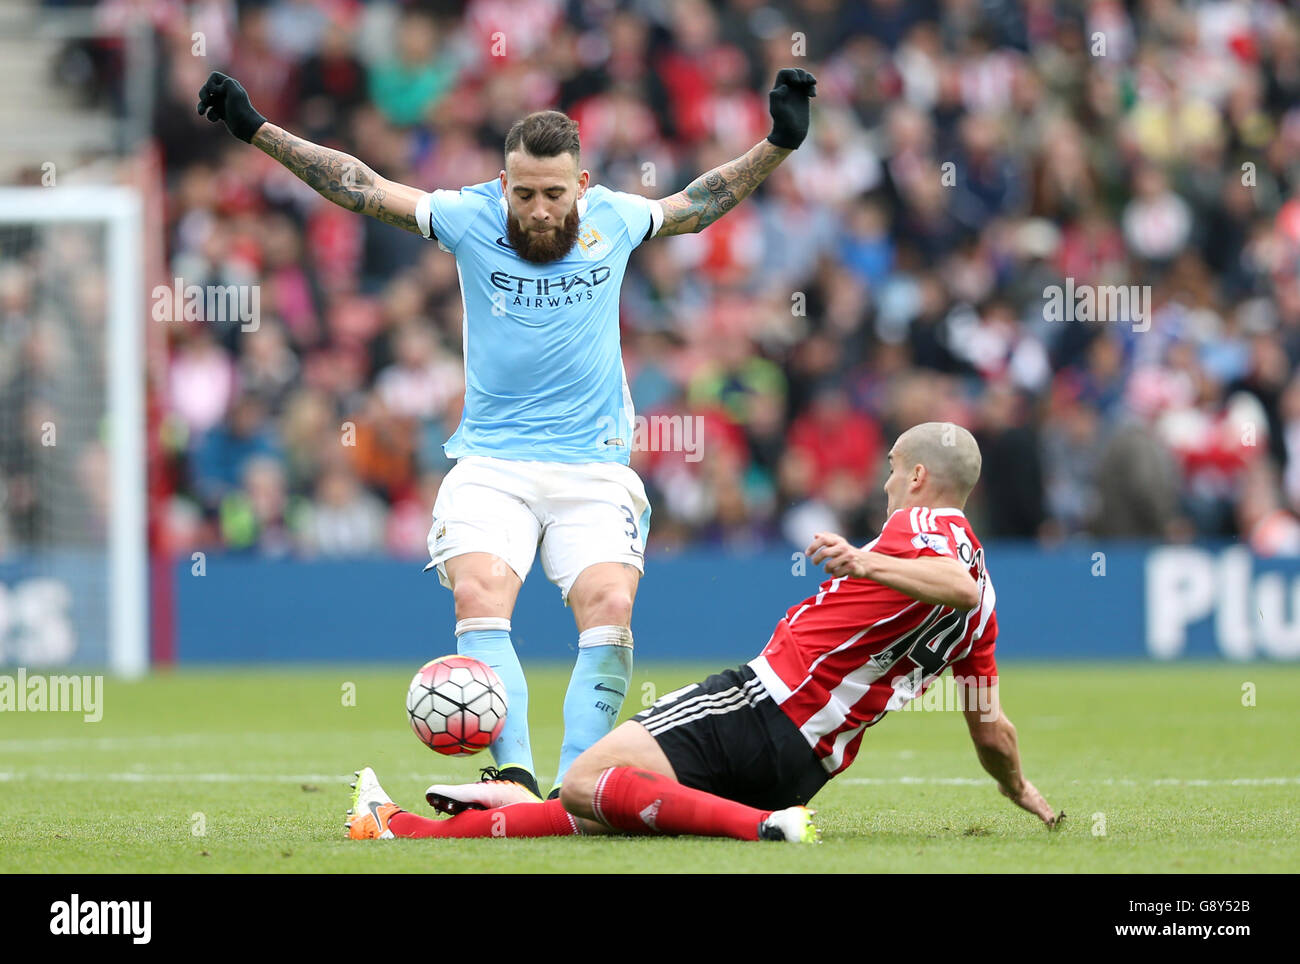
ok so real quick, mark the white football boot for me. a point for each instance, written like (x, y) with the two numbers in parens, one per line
(490, 792)
(793, 824)
(372, 808)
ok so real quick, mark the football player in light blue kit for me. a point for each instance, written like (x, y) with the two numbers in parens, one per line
(543, 446)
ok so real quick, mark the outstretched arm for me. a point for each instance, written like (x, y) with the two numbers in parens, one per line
(336, 176)
(341, 178)
(712, 195)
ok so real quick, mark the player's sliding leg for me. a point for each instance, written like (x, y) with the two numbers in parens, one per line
(601, 599)
(374, 816)
(545, 819)
(485, 589)
(623, 784)
(627, 783)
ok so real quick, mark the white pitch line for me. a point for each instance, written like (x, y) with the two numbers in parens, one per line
(177, 777)
(7, 776)
(1239, 782)
(909, 781)
(1109, 781)
(327, 778)
(49, 744)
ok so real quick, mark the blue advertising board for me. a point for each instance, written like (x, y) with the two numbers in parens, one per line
(1096, 602)
(54, 609)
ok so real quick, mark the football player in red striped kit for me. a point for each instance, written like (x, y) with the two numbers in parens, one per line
(740, 754)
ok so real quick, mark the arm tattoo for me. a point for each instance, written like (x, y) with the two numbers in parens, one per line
(335, 176)
(712, 195)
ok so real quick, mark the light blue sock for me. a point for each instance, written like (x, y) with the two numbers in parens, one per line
(487, 639)
(600, 681)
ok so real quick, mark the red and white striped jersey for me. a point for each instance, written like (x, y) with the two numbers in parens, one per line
(840, 660)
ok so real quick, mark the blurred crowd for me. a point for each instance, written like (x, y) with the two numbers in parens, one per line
(965, 157)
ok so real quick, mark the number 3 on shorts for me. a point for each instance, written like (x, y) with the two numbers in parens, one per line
(632, 532)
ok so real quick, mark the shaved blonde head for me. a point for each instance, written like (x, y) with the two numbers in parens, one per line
(949, 453)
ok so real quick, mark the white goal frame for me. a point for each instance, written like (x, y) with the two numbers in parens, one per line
(120, 210)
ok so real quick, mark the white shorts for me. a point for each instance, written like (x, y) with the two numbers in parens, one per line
(579, 514)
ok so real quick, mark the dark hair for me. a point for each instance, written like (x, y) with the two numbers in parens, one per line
(545, 133)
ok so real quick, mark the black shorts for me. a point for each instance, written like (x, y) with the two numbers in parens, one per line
(728, 737)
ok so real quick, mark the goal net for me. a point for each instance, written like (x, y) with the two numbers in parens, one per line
(73, 562)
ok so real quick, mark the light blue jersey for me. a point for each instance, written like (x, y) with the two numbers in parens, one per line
(544, 377)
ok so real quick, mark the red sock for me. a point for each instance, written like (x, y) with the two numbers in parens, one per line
(546, 819)
(638, 801)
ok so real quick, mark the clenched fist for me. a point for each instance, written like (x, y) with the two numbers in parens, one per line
(788, 102)
(223, 98)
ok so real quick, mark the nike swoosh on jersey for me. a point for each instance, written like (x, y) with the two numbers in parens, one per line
(607, 689)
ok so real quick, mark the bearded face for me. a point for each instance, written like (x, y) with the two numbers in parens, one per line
(542, 246)
(542, 204)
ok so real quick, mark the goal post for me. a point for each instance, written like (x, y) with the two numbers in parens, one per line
(38, 227)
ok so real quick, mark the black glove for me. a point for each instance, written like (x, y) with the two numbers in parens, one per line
(788, 102)
(224, 99)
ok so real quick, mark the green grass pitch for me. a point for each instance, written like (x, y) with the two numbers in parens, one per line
(1160, 768)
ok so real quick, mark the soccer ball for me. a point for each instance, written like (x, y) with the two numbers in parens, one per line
(457, 705)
